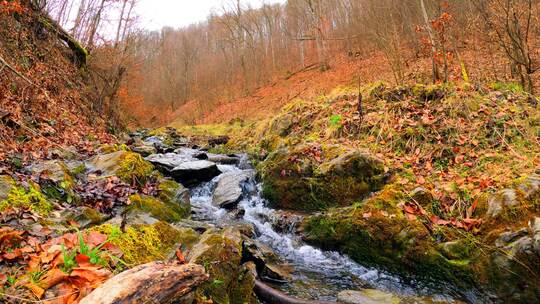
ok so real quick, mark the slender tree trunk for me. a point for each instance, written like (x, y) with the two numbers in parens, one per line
(120, 22)
(435, 67)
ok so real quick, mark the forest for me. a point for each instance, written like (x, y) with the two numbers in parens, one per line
(239, 49)
(271, 152)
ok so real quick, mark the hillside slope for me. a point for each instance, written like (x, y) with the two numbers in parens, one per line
(44, 102)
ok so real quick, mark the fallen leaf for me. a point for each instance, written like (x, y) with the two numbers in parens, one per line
(36, 290)
(52, 278)
(180, 256)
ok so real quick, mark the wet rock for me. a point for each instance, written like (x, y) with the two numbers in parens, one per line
(284, 221)
(229, 189)
(198, 226)
(54, 170)
(193, 172)
(144, 150)
(367, 296)
(510, 236)
(87, 217)
(498, 202)
(269, 266)
(167, 162)
(223, 159)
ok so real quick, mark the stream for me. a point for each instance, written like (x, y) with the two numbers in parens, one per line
(316, 274)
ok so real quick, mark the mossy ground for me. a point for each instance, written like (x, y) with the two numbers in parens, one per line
(30, 199)
(143, 244)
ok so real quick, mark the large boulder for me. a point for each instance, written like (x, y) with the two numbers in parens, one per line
(504, 204)
(229, 188)
(220, 251)
(163, 210)
(311, 178)
(193, 172)
(128, 166)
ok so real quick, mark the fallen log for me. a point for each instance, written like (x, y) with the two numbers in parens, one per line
(155, 282)
(271, 296)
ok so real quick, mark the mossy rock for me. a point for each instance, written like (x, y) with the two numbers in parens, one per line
(220, 252)
(293, 179)
(29, 198)
(174, 194)
(128, 166)
(161, 210)
(141, 244)
(392, 243)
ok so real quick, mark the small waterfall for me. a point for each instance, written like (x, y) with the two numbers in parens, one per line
(317, 274)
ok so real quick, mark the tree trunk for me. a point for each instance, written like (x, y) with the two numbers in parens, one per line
(435, 68)
(154, 282)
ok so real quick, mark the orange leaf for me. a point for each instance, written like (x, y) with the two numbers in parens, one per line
(180, 256)
(82, 259)
(36, 290)
(52, 278)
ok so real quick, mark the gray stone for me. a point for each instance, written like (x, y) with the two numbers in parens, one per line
(223, 159)
(422, 196)
(510, 236)
(229, 190)
(144, 150)
(534, 226)
(55, 170)
(193, 172)
(498, 202)
(6, 184)
(367, 296)
(168, 161)
(269, 265)
(530, 186)
(108, 164)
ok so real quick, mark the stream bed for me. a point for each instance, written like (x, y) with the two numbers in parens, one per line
(316, 274)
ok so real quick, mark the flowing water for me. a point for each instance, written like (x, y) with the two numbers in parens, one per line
(317, 274)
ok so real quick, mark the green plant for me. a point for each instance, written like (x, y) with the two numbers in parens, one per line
(68, 258)
(335, 120)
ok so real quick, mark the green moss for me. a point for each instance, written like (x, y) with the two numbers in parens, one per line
(159, 209)
(175, 196)
(142, 244)
(111, 148)
(220, 252)
(31, 199)
(298, 180)
(394, 244)
(134, 168)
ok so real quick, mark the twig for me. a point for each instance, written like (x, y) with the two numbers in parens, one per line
(14, 71)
